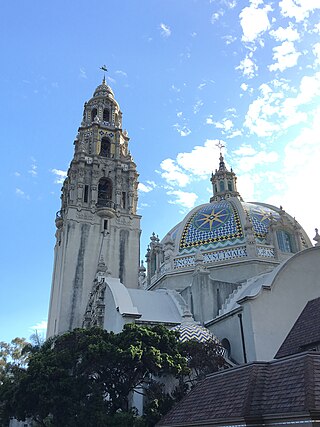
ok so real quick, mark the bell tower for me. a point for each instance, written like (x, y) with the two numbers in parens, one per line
(97, 225)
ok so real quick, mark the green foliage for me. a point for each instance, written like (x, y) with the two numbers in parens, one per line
(203, 359)
(85, 377)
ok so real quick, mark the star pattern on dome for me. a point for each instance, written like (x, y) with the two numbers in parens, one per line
(216, 223)
(213, 219)
(260, 217)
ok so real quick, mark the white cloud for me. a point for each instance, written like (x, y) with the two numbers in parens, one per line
(245, 150)
(121, 73)
(244, 86)
(235, 133)
(182, 198)
(248, 67)
(281, 34)
(145, 188)
(202, 85)
(173, 174)
(316, 52)
(193, 34)
(274, 110)
(298, 9)
(246, 163)
(197, 106)
(209, 120)
(17, 174)
(254, 21)
(182, 130)
(60, 175)
(22, 194)
(229, 39)
(216, 16)
(82, 73)
(196, 164)
(33, 168)
(40, 328)
(175, 89)
(199, 161)
(179, 114)
(285, 56)
(300, 167)
(225, 125)
(165, 30)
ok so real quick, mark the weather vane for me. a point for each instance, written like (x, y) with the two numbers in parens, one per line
(220, 145)
(104, 68)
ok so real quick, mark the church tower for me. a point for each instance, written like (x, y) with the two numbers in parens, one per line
(97, 227)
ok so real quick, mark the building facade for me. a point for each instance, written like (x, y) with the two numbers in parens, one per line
(229, 265)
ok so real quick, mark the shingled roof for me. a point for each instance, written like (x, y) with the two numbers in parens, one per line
(305, 333)
(281, 388)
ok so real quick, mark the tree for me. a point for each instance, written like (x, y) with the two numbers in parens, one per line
(13, 359)
(84, 377)
(203, 358)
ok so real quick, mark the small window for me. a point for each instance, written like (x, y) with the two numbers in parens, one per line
(105, 224)
(215, 188)
(105, 150)
(94, 112)
(124, 197)
(104, 192)
(106, 115)
(229, 185)
(221, 185)
(86, 193)
(285, 241)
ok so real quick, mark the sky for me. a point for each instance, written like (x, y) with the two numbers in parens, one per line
(186, 73)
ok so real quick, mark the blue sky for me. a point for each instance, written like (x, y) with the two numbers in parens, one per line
(186, 74)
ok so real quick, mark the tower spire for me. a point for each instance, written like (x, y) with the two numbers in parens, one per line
(224, 182)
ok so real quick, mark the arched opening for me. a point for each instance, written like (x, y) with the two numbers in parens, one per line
(106, 115)
(94, 112)
(105, 150)
(230, 186)
(226, 344)
(285, 241)
(105, 192)
(221, 185)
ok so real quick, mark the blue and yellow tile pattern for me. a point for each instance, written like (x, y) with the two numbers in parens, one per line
(217, 222)
(260, 218)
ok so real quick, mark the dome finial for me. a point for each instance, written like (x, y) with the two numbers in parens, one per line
(104, 68)
(222, 166)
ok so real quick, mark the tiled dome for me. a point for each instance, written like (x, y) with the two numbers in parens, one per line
(193, 331)
(221, 224)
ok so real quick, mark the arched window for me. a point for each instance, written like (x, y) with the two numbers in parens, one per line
(105, 150)
(285, 241)
(226, 344)
(221, 185)
(106, 115)
(105, 192)
(215, 188)
(94, 112)
(229, 185)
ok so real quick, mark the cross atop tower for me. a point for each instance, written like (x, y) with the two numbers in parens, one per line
(220, 145)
